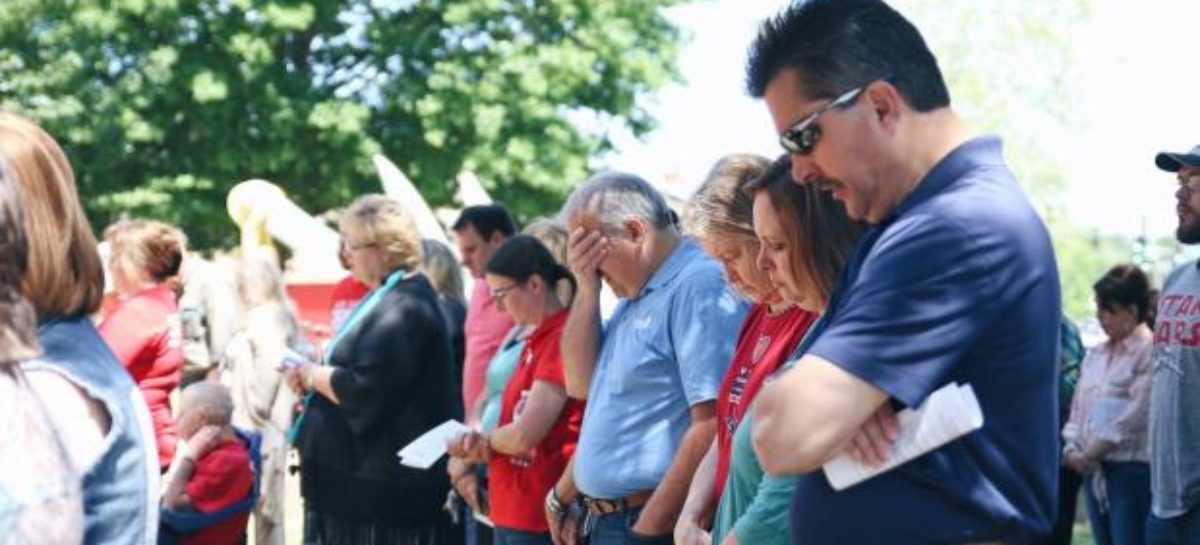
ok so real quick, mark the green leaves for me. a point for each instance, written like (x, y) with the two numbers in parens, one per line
(163, 105)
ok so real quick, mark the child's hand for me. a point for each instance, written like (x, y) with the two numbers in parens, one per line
(202, 441)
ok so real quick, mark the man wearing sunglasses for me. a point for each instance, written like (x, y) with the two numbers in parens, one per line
(955, 282)
(1174, 405)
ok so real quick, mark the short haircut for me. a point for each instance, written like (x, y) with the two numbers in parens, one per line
(383, 221)
(18, 322)
(837, 45)
(65, 277)
(721, 207)
(825, 236)
(212, 400)
(1124, 285)
(152, 246)
(486, 219)
(438, 263)
(524, 256)
(614, 197)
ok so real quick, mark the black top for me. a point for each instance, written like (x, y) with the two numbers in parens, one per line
(393, 378)
(455, 314)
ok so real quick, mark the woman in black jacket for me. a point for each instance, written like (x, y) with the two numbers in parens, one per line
(388, 380)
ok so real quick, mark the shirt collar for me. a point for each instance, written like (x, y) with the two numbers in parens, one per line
(679, 257)
(981, 150)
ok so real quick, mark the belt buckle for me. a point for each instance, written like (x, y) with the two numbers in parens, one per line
(602, 506)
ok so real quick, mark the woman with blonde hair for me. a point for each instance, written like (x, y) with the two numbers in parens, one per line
(387, 381)
(801, 238)
(143, 329)
(105, 425)
(261, 400)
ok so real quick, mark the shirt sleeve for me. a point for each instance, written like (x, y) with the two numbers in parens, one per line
(550, 364)
(923, 297)
(767, 515)
(706, 317)
(1073, 430)
(382, 362)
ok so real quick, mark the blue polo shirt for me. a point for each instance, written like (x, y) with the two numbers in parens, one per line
(959, 284)
(661, 352)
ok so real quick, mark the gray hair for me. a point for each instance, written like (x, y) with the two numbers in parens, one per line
(438, 263)
(614, 197)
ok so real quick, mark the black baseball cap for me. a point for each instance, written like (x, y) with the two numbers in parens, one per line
(1172, 162)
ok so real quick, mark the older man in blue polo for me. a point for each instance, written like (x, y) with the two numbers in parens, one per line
(650, 373)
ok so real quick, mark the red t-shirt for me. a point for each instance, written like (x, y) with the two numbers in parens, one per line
(346, 295)
(763, 344)
(517, 484)
(222, 477)
(143, 331)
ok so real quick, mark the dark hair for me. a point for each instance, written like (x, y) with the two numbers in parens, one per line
(486, 219)
(1124, 285)
(837, 45)
(825, 234)
(523, 256)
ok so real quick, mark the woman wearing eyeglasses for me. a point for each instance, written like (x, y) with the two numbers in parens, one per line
(539, 424)
(789, 263)
(389, 379)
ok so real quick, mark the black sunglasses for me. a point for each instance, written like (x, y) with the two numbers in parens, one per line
(802, 137)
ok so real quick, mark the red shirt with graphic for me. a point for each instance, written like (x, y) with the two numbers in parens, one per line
(763, 344)
(222, 477)
(518, 483)
(346, 295)
(143, 331)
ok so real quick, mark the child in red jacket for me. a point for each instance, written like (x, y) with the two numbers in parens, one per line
(214, 470)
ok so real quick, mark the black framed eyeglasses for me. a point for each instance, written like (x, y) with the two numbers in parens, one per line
(802, 137)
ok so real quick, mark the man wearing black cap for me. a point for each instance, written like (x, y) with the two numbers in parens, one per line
(1174, 403)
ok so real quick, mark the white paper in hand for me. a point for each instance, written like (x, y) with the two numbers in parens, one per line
(947, 414)
(427, 449)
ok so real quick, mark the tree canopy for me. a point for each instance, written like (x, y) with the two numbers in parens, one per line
(163, 105)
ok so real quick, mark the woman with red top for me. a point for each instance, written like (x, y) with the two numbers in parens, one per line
(721, 215)
(143, 329)
(539, 424)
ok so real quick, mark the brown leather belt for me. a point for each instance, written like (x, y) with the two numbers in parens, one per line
(607, 507)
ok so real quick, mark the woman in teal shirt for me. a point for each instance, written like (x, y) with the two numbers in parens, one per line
(804, 239)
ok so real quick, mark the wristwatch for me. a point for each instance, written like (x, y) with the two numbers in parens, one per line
(554, 505)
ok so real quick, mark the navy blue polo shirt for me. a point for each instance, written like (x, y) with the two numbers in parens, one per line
(958, 284)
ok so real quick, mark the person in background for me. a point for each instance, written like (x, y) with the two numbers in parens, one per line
(262, 402)
(208, 317)
(651, 373)
(214, 470)
(539, 423)
(1071, 353)
(1107, 431)
(40, 495)
(143, 330)
(106, 426)
(387, 381)
(346, 293)
(1174, 405)
(478, 231)
(553, 234)
(439, 265)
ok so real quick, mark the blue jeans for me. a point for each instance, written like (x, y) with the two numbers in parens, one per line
(511, 536)
(617, 529)
(1181, 530)
(1128, 504)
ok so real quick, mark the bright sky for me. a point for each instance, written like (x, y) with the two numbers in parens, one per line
(1134, 99)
